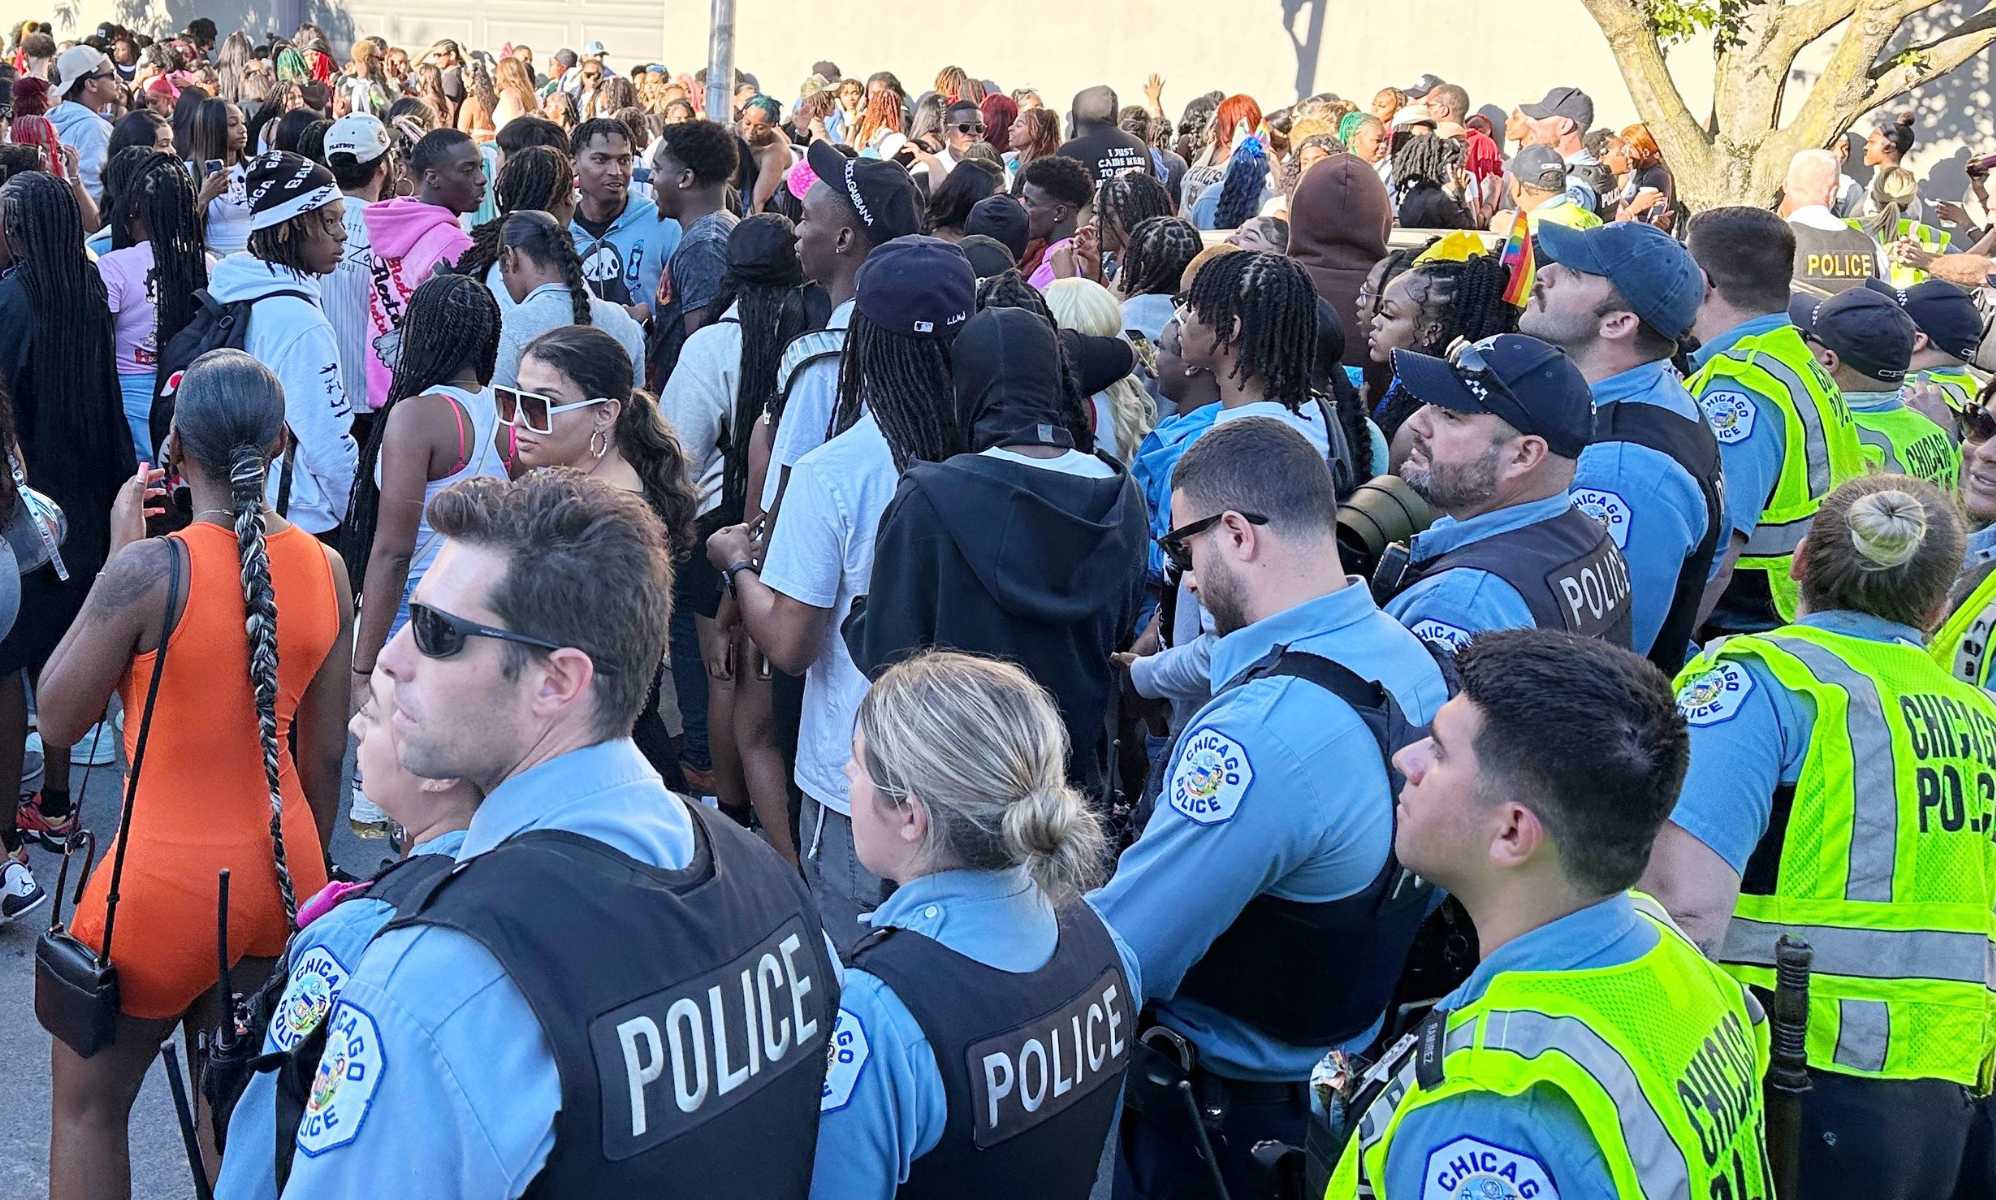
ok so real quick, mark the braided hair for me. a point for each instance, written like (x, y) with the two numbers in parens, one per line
(536, 177)
(1241, 187)
(228, 417)
(1156, 256)
(769, 305)
(1263, 307)
(1424, 169)
(536, 235)
(452, 323)
(158, 193)
(904, 382)
(1127, 201)
(1462, 300)
(1010, 290)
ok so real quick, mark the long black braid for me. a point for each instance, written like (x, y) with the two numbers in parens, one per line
(1460, 300)
(537, 177)
(536, 235)
(768, 298)
(159, 194)
(1010, 290)
(905, 383)
(1155, 259)
(1264, 308)
(452, 324)
(119, 171)
(1126, 201)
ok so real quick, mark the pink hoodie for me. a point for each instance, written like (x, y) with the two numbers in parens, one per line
(409, 239)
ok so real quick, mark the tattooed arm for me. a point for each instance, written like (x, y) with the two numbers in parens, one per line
(120, 619)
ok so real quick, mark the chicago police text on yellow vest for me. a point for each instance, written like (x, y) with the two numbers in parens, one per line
(1903, 441)
(1662, 1056)
(1881, 857)
(1820, 443)
(1962, 644)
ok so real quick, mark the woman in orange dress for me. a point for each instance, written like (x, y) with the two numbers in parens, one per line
(259, 642)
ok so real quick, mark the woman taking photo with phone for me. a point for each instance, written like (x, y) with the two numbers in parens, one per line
(219, 786)
(215, 143)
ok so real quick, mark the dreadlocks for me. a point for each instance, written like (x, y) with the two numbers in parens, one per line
(766, 293)
(1424, 170)
(1461, 300)
(1010, 290)
(902, 381)
(1156, 256)
(452, 324)
(158, 197)
(284, 245)
(536, 177)
(1127, 201)
(1264, 308)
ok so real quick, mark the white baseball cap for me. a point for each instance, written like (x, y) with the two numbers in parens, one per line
(360, 135)
(593, 50)
(76, 62)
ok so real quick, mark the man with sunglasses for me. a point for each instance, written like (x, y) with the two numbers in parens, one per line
(614, 992)
(89, 85)
(1261, 895)
(1494, 452)
(1098, 143)
(1617, 299)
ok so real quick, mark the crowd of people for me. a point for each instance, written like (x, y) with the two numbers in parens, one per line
(910, 643)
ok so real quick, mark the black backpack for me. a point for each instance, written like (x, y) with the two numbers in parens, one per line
(217, 326)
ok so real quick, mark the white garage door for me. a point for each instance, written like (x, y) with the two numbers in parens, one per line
(632, 30)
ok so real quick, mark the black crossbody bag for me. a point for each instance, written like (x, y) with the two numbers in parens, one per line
(76, 988)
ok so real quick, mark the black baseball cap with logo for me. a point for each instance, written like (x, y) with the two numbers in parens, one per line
(879, 193)
(1531, 385)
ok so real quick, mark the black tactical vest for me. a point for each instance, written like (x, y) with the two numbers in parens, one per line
(1834, 260)
(1567, 570)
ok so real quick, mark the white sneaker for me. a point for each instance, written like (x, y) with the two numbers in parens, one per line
(97, 746)
(19, 893)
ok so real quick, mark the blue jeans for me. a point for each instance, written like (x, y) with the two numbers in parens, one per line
(689, 683)
(137, 393)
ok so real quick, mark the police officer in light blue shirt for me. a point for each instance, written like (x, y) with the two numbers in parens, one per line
(959, 795)
(1618, 299)
(339, 923)
(1258, 863)
(1494, 449)
(500, 1033)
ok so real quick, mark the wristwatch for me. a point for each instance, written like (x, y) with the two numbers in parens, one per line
(737, 567)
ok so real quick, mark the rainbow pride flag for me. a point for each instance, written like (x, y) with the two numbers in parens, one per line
(1517, 258)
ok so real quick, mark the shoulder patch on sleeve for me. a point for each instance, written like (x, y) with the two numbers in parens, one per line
(1449, 637)
(1730, 414)
(1211, 776)
(1715, 695)
(846, 1052)
(344, 1089)
(1608, 508)
(1472, 1169)
(309, 995)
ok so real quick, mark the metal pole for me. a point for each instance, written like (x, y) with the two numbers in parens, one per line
(721, 63)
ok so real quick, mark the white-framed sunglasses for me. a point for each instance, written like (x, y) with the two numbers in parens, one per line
(534, 412)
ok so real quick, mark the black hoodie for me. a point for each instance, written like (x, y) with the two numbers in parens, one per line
(992, 556)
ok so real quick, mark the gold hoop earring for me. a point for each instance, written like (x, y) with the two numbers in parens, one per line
(599, 451)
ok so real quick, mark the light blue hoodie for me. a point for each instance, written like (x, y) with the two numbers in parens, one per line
(624, 264)
(90, 135)
(292, 337)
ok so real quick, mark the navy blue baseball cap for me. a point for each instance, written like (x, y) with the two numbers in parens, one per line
(1869, 332)
(1531, 385)
(1942, 311)
(915, 286)
(1651, 269)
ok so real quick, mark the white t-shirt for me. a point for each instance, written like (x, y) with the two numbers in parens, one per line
(814, 393)
(1105, 423)
(822, 555)
(1309, 422)
(229, 216)
(1073, 462)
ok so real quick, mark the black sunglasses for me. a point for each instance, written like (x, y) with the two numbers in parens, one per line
(441, 635)
(1976, 424)
(1176, 544)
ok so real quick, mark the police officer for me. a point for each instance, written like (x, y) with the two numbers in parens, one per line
(1949, 334)
(1494, 449)
(987, 1022)
(1965, 644)
(1865, 342)
(1267, 914)
(339, 922)
(1842, 788)
(1786, 437)
(1594, 1051)
(1618, 299)
(614, 991)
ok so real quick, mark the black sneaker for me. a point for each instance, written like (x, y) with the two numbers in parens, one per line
(19, 893)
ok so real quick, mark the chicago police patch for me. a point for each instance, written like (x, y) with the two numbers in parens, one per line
(1472, 1169)
(1730, 414)
(1713, 696)
(1212, 775)
(846, 1052)
(308, 997)
(1608, 508)
(349, 1075)
(1451, 638)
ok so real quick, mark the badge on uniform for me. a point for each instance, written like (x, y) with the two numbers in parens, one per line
(314, 985)
(349, 1075)
(1472, 1169)
(1609, 509)
(1211, 776)
(846, 1052)
(1730, 414)
(1451, 638)
(1712, 696)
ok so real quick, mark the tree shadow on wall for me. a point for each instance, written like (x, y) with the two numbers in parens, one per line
(257, 18)
(1308, 44)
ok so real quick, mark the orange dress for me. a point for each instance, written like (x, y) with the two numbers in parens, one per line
(202, 803)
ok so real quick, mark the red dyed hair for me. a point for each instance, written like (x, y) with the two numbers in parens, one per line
(31, 96)
(1232, 111)
(36, 131)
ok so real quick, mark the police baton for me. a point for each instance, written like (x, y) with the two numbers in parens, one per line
(226, 1053)
(186, 1114)
(1788, 1067)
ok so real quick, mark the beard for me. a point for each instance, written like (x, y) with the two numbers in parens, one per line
(1450, 487)
(1220, 592)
